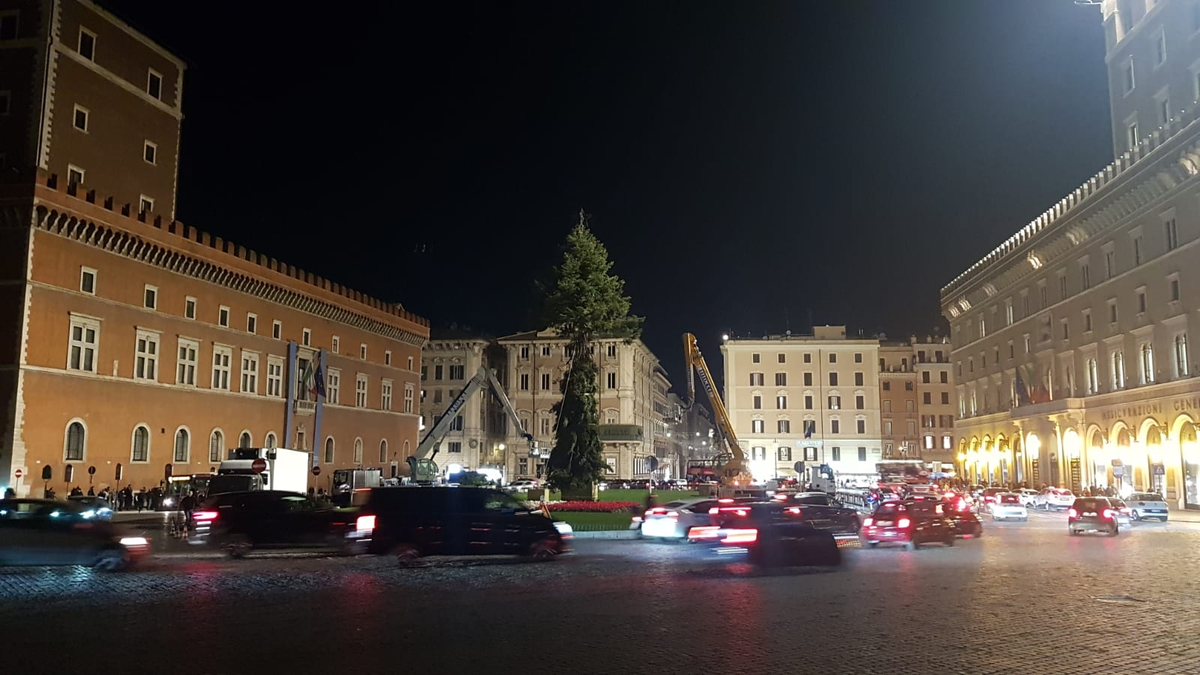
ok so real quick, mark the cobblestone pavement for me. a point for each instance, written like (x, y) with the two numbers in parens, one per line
(1024, 598)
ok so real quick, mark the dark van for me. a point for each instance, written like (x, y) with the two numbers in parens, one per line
(410, 522)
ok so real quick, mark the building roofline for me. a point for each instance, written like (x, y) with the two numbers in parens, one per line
(135, 33)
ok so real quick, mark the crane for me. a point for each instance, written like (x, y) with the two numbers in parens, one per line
(733, 470)
(421, 465)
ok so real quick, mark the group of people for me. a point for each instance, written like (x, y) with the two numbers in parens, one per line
(123, 499)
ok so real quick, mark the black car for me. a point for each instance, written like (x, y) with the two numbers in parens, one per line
(768, 534)
(1092, 514)
(240, 522)
(966, 524)
(50, 532)
(819, 510)
(410, 522)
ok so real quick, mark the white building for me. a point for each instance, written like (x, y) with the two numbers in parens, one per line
(805, 398)
(1070, 339)
(476, 439)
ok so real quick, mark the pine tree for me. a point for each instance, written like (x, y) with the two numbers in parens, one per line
(584, 302)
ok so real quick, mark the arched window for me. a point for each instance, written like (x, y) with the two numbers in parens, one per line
(216, 443)
(76, 439)
(270, 442)
(141, 445)
(245, 441)
(358, 451)
(329, 450)
(183, 444)
(383, 455)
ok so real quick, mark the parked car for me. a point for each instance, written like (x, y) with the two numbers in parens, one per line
(241, 522)
(51, 532)
(618, 485)
(768, 534)
(912, 523)
(410, 522)
(522, 485)
(1054, 498)
(93, 507)
(1147, 505)
(1027, 496)
(1092, 514)
(1008, 506)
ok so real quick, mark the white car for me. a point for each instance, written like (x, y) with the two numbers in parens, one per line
(1145, 505)
(521, 485)
(673, 519)
(1027, 496)
(1008, 506)
(1054, 498)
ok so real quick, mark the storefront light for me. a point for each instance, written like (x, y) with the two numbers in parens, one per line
(1033, 445)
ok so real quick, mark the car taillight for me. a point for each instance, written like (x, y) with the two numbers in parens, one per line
(794, 510)
(1109, 513)
(867, 521)
(725, 500)
(704, 533)
(636, 519)
(903, 523)
(962, 505)
(1072, 513)
(204, 516)
(747, 536)
(714, 511)
(672, 514)
(365, 524)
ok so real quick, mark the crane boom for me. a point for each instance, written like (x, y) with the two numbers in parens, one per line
(421, 463)
(735, 469)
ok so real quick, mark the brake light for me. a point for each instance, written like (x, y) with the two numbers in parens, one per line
(636, 519)
(962, 505)
(704, 533)
(204, 516)
(1109, 513)
(725, 500)
(714, 511)
(672, 514)
(365, 524)
(1072, 513)
(748, 536)
(780, 497)
(794, 510)
(903, 523)
(867, 521)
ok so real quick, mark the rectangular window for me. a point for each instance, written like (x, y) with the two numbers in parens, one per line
(545, 381)
(277, 329)
(757, 402)
(1172, 233)
(154, 82)
(755, 358)
(306, 337)
(808, 358)
(524, 381)
(249, 373)
(456, 373)
(1043, 296)
(275, 376)
(409, 392)
(780, 379)
(9, 24)
(438, 372)
(1141, 302)
(1132, 136)
(387, 358)
(887, 426)
(1062, 287)
(385, 394)
(861, 426)
(945, 398)
(74, 175)
(1137, 250)
(860, 402)
(945, 377)
(1173, 289)
(832, 357)
(1129, 81)
(858, 379)
(150, 297)
(80, 118)
(1160, 48)
(1008, 312)
(252, 323)
(782, 358)
(1112, 311)
(454, 447)
(362, 351)
(1164, 111)
(947, 443)
(887, 386)
(927, 398)
(785, 427)
(150, 152)
(87, 280)
(808, 379)
(222, 357)
(336, 344)
(524, 353)
(360, 391)
(223, 316)
(609, 350)
(835, 401)
(835, 453)
(1066, 330)
(87, 44)
(186, 362)
(808, 402)
(1085, 276)
(546, 428)
(833, 379)
(862, 454)
(1181, 355)
(84, 342)
(333, 386)
(781, 403)
(756, 379)
(783, 454)
(145, 360)
(145, 204)
(1087, 320)
(757, 426)
(612, 380)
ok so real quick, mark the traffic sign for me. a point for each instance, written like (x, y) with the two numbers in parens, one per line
(316, 471)
(1160, 470)
(91, 471)
(259, 465)
(799, 467)
(18, 473)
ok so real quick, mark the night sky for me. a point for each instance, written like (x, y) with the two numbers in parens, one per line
(748, 164)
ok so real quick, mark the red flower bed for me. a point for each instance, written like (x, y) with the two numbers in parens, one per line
(593, 507)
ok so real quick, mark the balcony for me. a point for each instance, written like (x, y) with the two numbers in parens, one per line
(304, 407)
(620, 432)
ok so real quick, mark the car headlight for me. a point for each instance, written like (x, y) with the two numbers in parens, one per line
(168, 501)
(134, 541)
(563, 528)
(88, 514)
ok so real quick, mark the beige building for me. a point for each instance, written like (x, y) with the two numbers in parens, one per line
(898, 401)
(805, 398)
(935, 402)
(1070, 339)
(477, 438)
(633, 399)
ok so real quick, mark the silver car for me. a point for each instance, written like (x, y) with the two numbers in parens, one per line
(674, 519)
(1008, 506)
(1146, 505)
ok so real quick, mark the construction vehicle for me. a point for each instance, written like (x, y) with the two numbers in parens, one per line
(730, 463)
(347, 481)
(422, 468)
(286, 470)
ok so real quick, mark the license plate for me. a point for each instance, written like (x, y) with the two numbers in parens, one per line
(1089, 513)
(884, 523)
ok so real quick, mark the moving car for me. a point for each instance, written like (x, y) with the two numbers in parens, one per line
(1147, 505)
(912, 523)
(241, 522)
(966, 524)
(1092, 514)
(990, 495)
(1008, 506)
(768, 534)
(410, 522)
(93, 507)
(674, 519)
(521, 485)
(50, 532)
(1054, 498)
(818, 510)
(1124, 514)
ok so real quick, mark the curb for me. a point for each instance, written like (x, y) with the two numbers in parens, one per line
(607, 534)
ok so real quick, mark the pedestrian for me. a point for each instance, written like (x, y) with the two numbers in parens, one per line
(76, 492)
(10, 493)
(140, 499)
(91, 491)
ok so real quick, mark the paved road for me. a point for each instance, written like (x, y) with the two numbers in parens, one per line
(1024, 598)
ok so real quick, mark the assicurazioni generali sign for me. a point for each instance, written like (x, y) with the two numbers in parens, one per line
(1178, 405)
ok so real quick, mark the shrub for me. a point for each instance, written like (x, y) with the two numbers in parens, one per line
(593, 507)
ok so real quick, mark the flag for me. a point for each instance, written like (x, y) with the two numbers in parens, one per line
(1022, 390)
(306, 374)
(318, 385)
(808, 428)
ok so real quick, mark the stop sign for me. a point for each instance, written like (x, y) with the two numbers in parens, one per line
(316, 471)
(18, 473)
(259, 465)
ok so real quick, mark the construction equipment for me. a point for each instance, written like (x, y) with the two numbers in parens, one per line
(421, 465)
(729, 465)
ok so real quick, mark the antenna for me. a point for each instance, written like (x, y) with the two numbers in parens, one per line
(787, 322)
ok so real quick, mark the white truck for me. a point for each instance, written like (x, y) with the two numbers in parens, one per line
(286, 470)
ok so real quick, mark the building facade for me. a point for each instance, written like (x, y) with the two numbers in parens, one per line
(85, 97)
(917, 402)
(478, 437)
(898, 401)
(632, 428)
(1070, 339)
(809, 398)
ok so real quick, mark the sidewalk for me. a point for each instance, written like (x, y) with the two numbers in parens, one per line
(1184, 515)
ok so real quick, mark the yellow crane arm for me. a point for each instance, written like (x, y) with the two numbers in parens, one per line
(695, 362)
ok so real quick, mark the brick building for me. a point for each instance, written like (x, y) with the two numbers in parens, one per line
(132, 343)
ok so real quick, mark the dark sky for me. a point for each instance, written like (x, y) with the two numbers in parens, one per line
(746, 163)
